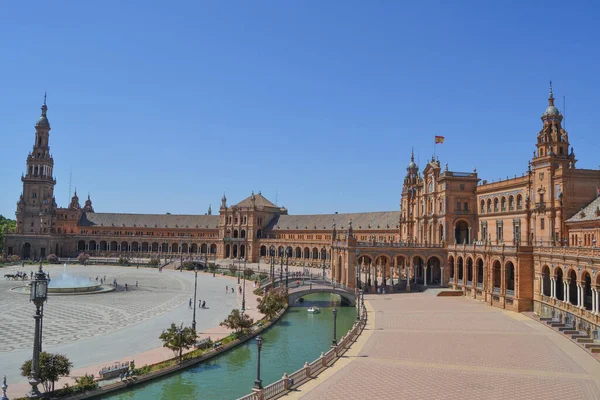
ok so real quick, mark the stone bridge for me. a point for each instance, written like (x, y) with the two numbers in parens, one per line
(347, 295)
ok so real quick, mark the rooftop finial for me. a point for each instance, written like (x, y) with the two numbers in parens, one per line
(551, 95)
(45, 98)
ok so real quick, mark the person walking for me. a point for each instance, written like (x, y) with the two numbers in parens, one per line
(199, 303)
(203, 304)
(136, 283)
(190, 304)
(125, 287)
(226, 289)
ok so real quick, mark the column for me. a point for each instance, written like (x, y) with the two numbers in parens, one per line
(593, 300)
(567, 291)
(542, 286)
(441, 276)
(425, 277)
(597, 295)
(552, 288)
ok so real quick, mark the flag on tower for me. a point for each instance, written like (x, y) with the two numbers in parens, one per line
(439, 139)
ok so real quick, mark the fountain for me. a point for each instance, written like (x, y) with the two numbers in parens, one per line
(67, 283)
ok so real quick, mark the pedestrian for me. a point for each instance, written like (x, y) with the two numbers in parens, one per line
(125, 287)
(105, 278)
(232, 291)
(203, 304)
(226, 289)
(199, 303)
(136, 283)
(190, 303)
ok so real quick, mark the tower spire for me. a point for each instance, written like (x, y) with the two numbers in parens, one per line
(551, 98)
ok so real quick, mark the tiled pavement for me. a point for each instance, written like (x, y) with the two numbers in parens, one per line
(425, 347)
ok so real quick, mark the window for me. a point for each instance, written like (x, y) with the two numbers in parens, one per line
(482, 206)
(511, 203)
(499, 231)
(496, 205)
(503, 204)
(519, 202)
(466, 207)
(542, 223)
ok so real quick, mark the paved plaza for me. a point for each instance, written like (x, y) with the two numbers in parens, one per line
(101, 328)
(420, 346)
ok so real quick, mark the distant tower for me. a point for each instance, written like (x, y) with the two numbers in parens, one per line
(209, 209)
(36, 207)
(88, 205)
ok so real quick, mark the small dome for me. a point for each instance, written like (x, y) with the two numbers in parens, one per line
(42, 122)
(551, 110)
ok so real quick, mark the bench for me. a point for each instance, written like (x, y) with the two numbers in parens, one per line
(115, 371)
(204, 343)
(217, 345)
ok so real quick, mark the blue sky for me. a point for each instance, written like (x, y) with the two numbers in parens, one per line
(162, 107)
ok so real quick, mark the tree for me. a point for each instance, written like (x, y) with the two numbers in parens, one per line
(271, 303)
(52, 367)
(233, 269)
(6, 225)
(248, 272)
(178, 338)
(52, 258)
(238, 322)
(82, 258)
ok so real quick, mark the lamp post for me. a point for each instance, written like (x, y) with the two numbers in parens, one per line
(214, 263)
(38, 293)
(358, 305)
(195, 289)
(357, 267)
(334, 341)
(244, 289)
(258, 381)
(180, 332)
(180, 256)
(287, 260)
(4, 387)
(281, 269)
(323, 269)
(239, 265)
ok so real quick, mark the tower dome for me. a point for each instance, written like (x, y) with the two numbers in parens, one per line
(551, 110)
(412, 166)
(43, 120)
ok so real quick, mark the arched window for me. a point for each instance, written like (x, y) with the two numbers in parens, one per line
(243, 234)
(519, 202)
(482, 206)
(511, 203)
(496, 204)
(503, 204)
(489, 205)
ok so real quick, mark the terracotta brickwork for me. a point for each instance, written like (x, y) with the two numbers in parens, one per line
(495, 241)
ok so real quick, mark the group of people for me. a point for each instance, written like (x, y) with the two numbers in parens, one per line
(102, 279)
(201, 304)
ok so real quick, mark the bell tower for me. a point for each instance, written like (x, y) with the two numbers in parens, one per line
(36, 206)
(551, 163)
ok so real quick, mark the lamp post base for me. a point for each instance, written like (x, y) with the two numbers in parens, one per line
(35, 392)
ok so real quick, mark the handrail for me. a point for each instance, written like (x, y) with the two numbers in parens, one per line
(310, 370)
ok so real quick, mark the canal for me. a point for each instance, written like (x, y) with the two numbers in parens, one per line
(297, 337)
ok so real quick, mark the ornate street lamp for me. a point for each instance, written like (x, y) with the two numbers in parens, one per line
(38, 292)
(4, 387)
(258, 381)
(244, 289)
(334, 341)
(195, 289)
(287, 259)
(281, 270)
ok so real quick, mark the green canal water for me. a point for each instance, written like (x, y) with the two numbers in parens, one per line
(297, 337)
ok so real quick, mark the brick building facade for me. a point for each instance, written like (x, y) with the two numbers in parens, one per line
(524, 243)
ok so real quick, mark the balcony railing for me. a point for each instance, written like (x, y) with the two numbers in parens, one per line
(510, 293)
(469, 283)
(479, 285)
(496, 290)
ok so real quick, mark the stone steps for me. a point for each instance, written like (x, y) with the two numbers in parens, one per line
(580, 336)
(558, 325)
(585, 340)
(592, 346)
(568, 330)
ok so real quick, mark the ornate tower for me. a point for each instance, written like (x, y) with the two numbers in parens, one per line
(408, 203)
(36, 207)
(551, 165)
